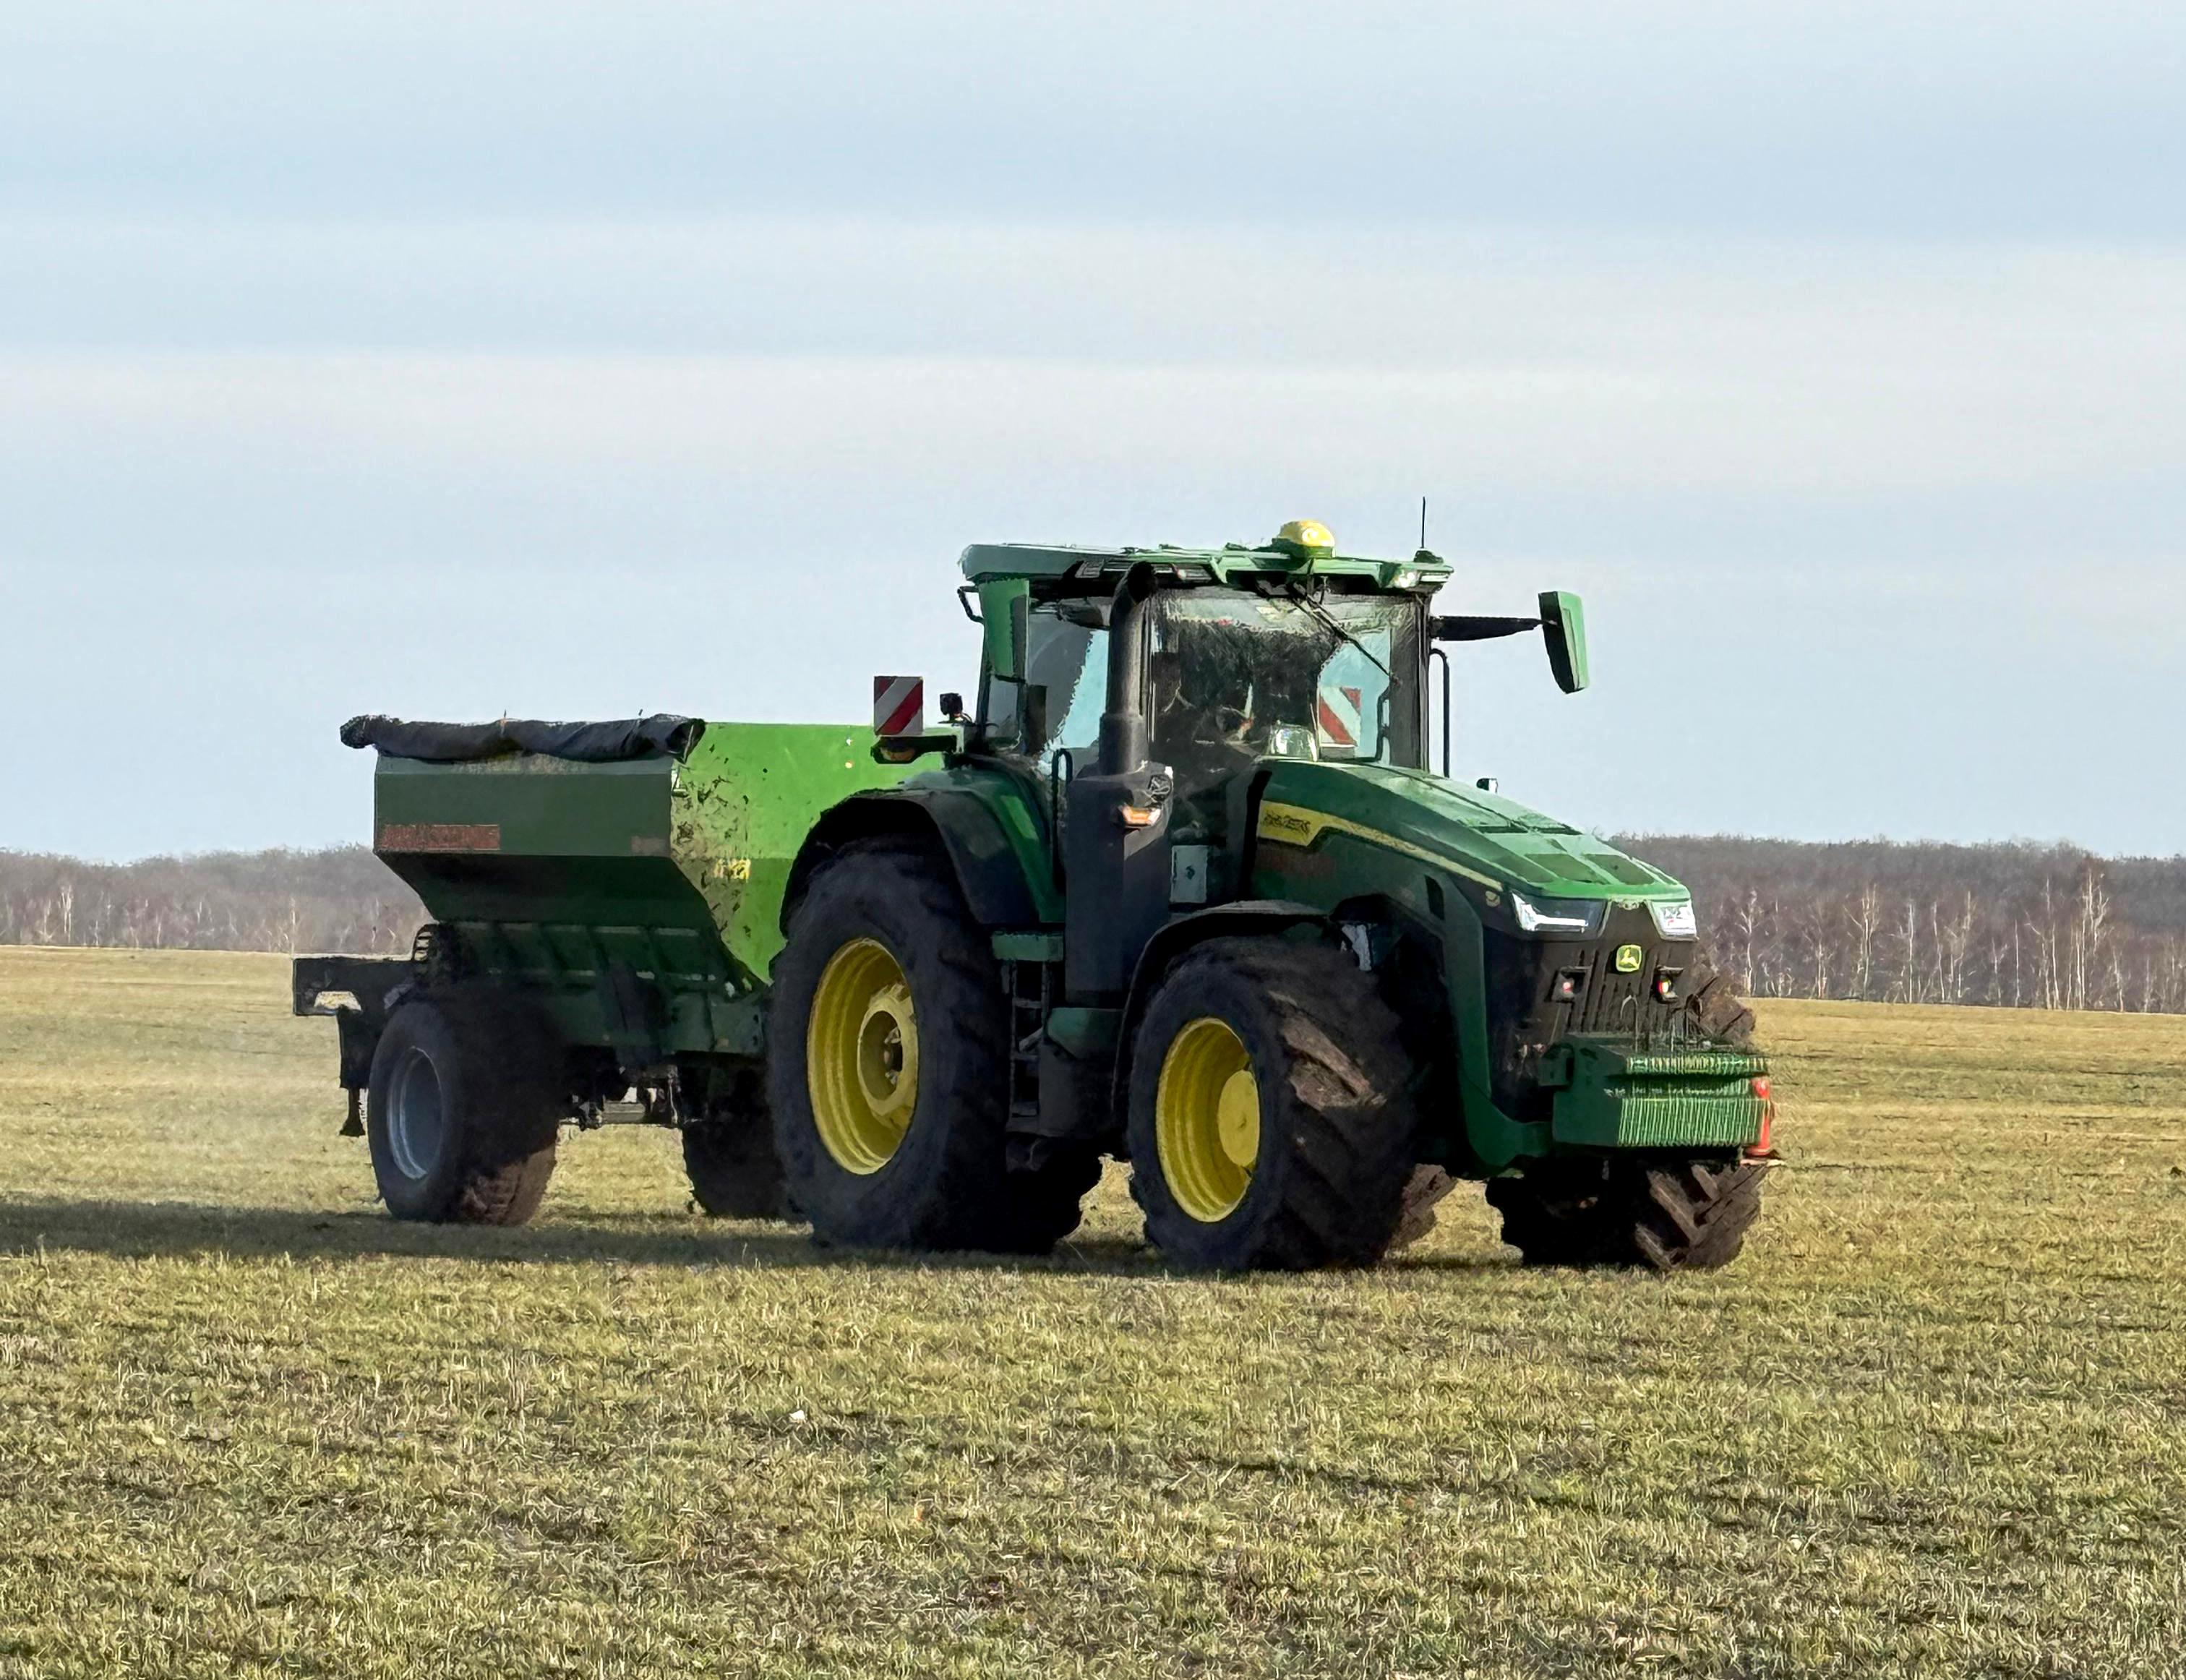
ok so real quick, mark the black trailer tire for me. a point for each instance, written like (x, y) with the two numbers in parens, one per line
(929, 1168)
(1332, 1129)
(1669, 1214)
(730, 1157)
(462, 1111)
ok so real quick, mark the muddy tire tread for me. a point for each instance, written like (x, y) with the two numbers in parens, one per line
(1668, 1215)
(1346, 1100)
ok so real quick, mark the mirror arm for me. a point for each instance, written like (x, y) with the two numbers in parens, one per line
(1470, 629)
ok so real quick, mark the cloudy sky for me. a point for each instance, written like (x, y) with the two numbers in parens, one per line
(572, 358)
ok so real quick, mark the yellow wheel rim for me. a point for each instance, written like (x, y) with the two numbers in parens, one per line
(861, 1056)
(1207, 1119)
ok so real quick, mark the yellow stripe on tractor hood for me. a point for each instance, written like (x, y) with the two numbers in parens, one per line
(1295, 825)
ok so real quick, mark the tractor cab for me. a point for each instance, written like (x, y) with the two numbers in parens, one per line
(1289, 651)
(1286, 650)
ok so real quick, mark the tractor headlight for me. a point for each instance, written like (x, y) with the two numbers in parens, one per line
(1673, 919)
(1577, 918)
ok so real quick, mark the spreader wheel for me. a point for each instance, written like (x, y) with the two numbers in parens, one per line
(464, 1105)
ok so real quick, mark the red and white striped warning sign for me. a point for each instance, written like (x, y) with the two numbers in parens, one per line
(899, 705)
(1341, 718)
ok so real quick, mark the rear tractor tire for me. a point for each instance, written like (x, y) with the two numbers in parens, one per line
(1671, 1215)
(1272, 1124)
(462, 1111)
(889, 1067)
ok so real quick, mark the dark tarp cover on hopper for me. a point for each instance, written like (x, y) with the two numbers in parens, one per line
(451, 743)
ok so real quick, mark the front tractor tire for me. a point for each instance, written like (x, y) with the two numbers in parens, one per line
(1669, 1214)
(889, 1067)
(462, 1109)
(1271, 1124)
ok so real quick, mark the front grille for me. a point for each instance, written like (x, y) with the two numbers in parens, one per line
(1525, 1015)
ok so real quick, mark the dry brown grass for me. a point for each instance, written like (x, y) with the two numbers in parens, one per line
(1934, 1422)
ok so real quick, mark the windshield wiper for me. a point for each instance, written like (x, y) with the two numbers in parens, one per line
(1328, 619)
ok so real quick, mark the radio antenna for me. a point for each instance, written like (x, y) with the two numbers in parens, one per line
(1423, 524)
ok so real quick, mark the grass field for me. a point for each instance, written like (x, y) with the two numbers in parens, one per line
(1934, 1422)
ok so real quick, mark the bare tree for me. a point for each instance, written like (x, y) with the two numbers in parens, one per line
(2087, 929)
(1816, 932)
(1953, 940)
(1906, 986)
(341, 900)
(1745, 923)
(1866, 923)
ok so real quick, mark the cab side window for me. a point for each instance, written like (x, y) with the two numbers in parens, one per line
(1070, 661)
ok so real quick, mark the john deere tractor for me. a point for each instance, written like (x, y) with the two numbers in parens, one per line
(1180, 887)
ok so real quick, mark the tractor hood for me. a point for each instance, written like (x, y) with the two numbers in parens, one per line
(1494, 842)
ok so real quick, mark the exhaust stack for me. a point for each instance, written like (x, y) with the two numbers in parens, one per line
(1123, 739)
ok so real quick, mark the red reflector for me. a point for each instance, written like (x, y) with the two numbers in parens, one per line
(1761, 1088)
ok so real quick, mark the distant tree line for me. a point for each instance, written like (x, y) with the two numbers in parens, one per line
(2017, 925)
(340, 899)
(2014, 925)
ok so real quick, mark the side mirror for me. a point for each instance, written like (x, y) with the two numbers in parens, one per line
(1005, 608)
(1563, 627)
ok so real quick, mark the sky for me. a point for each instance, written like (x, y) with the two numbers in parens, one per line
(576, 360)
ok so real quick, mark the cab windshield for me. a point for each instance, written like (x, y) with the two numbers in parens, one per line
(1236, 676)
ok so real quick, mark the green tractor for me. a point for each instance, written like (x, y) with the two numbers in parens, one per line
(1179, 887)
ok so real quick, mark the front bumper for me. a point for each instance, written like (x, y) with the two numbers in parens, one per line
(1607, 1097)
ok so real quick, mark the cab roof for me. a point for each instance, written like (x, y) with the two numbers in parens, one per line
(1232, 561)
